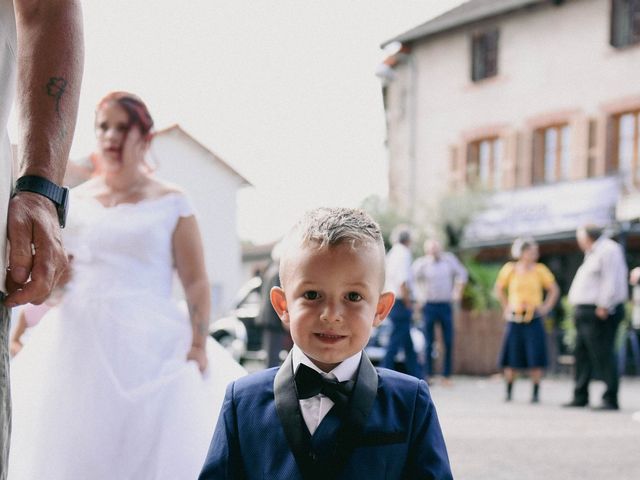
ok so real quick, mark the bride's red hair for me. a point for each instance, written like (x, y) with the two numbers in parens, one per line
(134, 106)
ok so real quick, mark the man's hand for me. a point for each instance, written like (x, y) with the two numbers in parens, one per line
(32, 220)
(199, 355)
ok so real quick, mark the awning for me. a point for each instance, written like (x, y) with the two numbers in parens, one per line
(543, 212)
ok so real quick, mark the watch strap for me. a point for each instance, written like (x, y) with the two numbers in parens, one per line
(42, 186)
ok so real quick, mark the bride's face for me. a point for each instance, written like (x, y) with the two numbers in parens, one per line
(120, 144)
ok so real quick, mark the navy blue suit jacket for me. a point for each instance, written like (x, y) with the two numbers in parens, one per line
(400, 436)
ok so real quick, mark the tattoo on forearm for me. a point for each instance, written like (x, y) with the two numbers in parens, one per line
(203, 328)
(56, 88)
(201, 324)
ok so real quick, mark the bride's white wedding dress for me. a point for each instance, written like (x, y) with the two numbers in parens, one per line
(102, 389)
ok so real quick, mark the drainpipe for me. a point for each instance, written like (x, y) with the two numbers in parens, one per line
(413, 128)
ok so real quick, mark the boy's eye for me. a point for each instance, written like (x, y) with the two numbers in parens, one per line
(354, 296)
(310, 295)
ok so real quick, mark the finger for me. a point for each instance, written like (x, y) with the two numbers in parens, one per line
(10, 284)
(20, 258)
(43, 278)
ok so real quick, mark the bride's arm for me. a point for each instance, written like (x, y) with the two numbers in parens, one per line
(188, 255)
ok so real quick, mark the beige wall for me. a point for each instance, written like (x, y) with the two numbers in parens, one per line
(555, 63)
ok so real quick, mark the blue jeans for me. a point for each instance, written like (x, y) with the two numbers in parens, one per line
(400, 317)
(438, 312)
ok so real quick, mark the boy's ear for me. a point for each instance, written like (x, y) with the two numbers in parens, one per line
(385, 303)
(279, 302)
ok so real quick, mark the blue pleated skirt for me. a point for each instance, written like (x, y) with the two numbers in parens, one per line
(524, 345)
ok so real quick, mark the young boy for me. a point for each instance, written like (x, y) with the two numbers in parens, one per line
(327, 413)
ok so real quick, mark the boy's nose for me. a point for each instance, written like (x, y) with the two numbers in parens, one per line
(332, 312)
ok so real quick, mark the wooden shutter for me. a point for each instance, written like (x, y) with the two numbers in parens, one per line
(579, 148)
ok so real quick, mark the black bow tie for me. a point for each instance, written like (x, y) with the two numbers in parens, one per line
(310, 383)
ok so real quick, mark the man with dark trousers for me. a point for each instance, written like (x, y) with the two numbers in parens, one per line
(400, 282)
(597, 293)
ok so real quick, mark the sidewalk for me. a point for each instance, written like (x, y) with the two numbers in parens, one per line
(493, 440)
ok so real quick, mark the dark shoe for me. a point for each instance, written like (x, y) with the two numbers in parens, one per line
(575, 404)
(535, 396)
(606, 407)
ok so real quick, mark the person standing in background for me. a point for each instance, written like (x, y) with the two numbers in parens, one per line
(400, 282)
(41, 62)
(274, 334)
(440, 279)
(598, 293)
(520, 288)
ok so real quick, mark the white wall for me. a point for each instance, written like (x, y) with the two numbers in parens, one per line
(212, 189)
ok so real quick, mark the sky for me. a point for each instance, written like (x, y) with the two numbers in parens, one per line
(283, 90)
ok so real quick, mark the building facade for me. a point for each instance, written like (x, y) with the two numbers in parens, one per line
(525, 114)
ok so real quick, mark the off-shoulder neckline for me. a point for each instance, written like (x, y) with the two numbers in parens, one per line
(145, 201)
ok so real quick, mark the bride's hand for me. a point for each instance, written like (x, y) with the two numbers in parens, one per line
(199, 355)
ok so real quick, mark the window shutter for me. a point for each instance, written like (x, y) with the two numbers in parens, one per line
(579, 148)
(454, 169)
(611, 146)
(537, 158)
(510, 159)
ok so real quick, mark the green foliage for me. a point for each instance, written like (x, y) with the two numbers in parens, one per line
(478, 293)
(382, 213)
(567, 325)
(456, 210)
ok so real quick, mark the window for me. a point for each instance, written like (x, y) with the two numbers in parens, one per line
(484, 163)
(625, 155)
(551, 154)
(484, 55)
(625, 22)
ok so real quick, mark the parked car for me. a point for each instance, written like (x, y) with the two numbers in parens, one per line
(237, 331)
(379, 341)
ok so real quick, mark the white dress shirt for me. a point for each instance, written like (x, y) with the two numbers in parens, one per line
(398, 269)
(315, 408)
(601, 280)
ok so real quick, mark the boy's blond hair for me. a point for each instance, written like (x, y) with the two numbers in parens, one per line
(327, 227)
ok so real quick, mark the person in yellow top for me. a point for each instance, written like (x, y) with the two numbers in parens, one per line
(520, 288)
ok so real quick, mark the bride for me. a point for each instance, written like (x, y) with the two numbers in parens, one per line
(115, 382)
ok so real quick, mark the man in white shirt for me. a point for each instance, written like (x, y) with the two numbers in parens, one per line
(597, 293)
(400, 282)
(440, 279)
(41, 55)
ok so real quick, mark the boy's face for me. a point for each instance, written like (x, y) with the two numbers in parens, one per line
(331, 299)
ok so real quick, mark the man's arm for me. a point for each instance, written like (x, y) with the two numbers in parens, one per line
(613, 278)
(461, 277)
(50, 63)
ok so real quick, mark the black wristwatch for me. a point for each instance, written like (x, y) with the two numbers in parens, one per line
(40, 185)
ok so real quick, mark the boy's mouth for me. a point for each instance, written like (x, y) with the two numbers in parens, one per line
(329, 337)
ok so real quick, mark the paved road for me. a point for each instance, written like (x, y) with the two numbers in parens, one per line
(490, 439)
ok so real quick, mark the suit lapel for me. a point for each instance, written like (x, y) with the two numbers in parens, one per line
(364, 393)
(360, 406)
(288, 409)
(298, 437)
